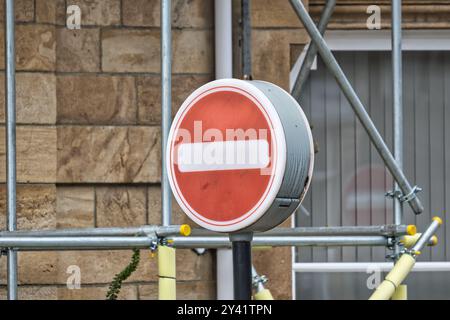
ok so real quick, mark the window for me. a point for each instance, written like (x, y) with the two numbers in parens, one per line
(350, 179)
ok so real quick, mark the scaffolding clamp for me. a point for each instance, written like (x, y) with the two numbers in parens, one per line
(404, 198)
(259, 280)
(411, 195)
(392, 241)
(413, 253)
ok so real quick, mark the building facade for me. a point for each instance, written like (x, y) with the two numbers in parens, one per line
(88, 135)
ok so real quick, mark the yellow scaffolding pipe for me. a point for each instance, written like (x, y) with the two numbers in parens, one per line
(394, 278)
(264, 294)
(401, 293)
(404, 265)
(167, 273)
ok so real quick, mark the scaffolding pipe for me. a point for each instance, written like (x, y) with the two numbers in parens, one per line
(223, 28)
(394, 278)
(261, 293)
(311, 52)
(383, 230)
(159, 231)
(246, 40)
(409, 241)
(258, 241)
(167, 273)
(75, 243)
(166, 106)
(404, 265)
(10, 89)
(96, 243)
(396, 36)
(427, 235)
(358, 107)
(320, 267)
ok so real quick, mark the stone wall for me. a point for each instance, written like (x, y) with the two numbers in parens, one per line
(88, 136)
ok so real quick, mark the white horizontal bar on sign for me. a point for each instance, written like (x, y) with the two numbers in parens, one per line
(223, 155)
(434, 266)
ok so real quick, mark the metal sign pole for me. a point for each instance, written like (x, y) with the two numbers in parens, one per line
(242, 265)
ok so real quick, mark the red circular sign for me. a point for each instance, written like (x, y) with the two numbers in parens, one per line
(224, 155)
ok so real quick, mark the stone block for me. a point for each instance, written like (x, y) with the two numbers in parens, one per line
(35, 98)
(96, 99)
(121, 206)
(75, 206)
(78, 50)
(108, 154)
(149, 95)
(36, 154)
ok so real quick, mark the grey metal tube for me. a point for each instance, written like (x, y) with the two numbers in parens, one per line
(166, 105)
(311, 53)
(98, 232)
(386, 230)
(95, 243)
(224, 241)
(246, 39)
(10, 90)
(390, 230)
(423, 240)
(223, 39)
(396, 37)
(356, 104)
(75, 243)
(223, 27)
(383, 230)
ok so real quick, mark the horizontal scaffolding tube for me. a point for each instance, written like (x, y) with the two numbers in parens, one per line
(160, 231)
(277, 241)
(366, 266)
(75, 243)
(357, 106)
(99, 243)
(390, 230)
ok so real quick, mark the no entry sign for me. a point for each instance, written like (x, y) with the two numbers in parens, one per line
(240, 155)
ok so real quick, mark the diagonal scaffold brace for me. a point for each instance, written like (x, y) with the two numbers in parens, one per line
(358, 107)
(311, 52)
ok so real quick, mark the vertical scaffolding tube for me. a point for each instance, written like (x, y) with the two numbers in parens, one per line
(311, 52)
(357, 105)
(396, 33)
(166, 105)
(224, 69)
(246, 40)
(10, 89)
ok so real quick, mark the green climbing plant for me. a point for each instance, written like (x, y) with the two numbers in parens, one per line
(116, 284)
